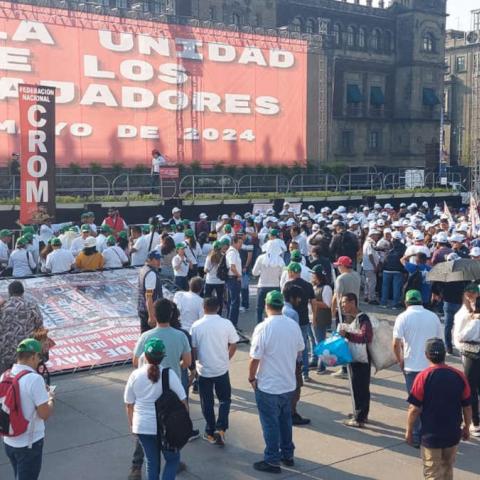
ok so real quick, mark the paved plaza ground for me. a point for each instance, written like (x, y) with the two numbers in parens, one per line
(88, 438)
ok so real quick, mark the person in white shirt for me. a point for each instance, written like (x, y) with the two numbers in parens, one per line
(101, 238)
(417, 247)
(300, 239)
(78, 243)
(158, 160)
(21, 260)
(59, 260)
(180, 267)
(68, 237)
(144, 387)
(5, 240)
(143, 245)
(193, 251)
(114, 256)
(268, 267)
(190, 304)
(306, 273)
(25, 451)
(212, 282)
(275, 346)
(411, 331)
(234, 265)
(371, 266)
(214, 342)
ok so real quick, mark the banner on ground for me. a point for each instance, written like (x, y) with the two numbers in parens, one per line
(37, 158)
(126, 86)
(91, 316)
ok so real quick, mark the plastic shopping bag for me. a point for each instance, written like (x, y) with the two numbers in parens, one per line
(334, 351)
(381, 351)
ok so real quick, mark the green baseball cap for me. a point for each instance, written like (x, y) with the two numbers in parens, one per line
(146, 228)
(217, 245)
(29, 345)
(296, 256)
(110, 240)
(55, 242)
(225, 241)
(84, 215)
(28, 237)
(154, 348)
(180, 245)
(274, 299)
(294, 267)
(90, 214)
(413, 297)
(274, 232)
(85, 228)
(73, 228)
(189, 233)
(5, 233)
(470, 288)
(227, 228)
(28, 229)
(186, 222)
(123, 234)
(21, 242)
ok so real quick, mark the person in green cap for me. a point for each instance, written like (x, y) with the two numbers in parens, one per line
(275, 346)
(78, 243)
(59, 260)
(212, 282)
(25, 450)
(305, 272)
(143, 388)
(412, 329)
(5, 242)
(21, 260)
(113, 255)
(181, 266)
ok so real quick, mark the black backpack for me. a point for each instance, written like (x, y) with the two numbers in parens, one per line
(414, 282)
(173, 421)
(222, 270)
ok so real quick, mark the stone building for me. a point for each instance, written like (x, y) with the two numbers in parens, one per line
(462, 94)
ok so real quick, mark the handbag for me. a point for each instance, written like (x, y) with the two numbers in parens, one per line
(471, 350)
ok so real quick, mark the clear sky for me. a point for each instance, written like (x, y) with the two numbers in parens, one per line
(459, 11)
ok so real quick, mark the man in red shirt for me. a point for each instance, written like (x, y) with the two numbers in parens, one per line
(441, 396)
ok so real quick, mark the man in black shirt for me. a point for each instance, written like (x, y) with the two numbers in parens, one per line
(294, 272)
(344, 244)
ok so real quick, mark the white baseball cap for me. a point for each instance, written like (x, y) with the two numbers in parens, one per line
(176, 210)
(225, 216)
(475, 252)
(203, 216)
(418, 236)
(457, 237)
(397, 235)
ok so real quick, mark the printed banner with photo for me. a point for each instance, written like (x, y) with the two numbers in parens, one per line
(92, 317)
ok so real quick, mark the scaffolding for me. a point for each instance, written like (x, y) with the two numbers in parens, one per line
(475, 128)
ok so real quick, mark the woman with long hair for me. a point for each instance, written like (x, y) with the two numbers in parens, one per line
(206, 248)
(212, 282)
(42, 260)
(167, 250)
(322, 313)
(89, 259)
(193, 251)
(143, 389)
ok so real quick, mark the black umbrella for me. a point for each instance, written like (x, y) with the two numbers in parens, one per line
(461, 270)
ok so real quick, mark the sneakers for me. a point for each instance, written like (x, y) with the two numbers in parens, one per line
(220, 438)
(373, 302)
(297, 420)
(194, 435)
(135, 473)
(242, 309)
(353, 423)
(475, 431)
(288, 462)
(307, 379)
(322, 372)
(340, 374)
(266, 467)
(211, 439)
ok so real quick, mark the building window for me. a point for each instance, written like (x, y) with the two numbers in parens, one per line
(476, 20)
(375, 141)
(354, 100)
(337, 31)
(297, 24)
(476, 64)
(377, 101)
(460, 65)
(346, 145)
(376, 41)
(388, 43)
(350, 36)
(236, 19)
(310, 26)
(212, 13)
(362, 37)
(428, 43)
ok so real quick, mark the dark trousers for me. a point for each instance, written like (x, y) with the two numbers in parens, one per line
(233, 299)
(219, 290)
(472, 372)
(138, 455)
(181, 282)
(417, 427)
(223, 391)
(449, 309)
(144, 326)
(26, 462)
(361, 390)
(261, 295)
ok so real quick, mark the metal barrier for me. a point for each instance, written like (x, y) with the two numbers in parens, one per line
(263, 184)
(90, 186)
(207, 184)
(360, 181)
(128, 185)
(313, 183)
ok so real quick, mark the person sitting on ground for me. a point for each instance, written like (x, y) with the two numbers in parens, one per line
(113, 255)
(89, 259)
(59, 260)
(21, 261)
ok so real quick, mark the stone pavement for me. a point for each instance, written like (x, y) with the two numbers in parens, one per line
(88, 438)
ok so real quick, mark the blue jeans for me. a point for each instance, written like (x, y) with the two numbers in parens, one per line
(276, 419)
(223, 391)
(306, 333)
(409, 379)
(181, 283)
(151, 447)
(245, 290)
(26, 462)
(392, 284)
(449, 310)
(320, 333)
(233, 299)
(261, 295)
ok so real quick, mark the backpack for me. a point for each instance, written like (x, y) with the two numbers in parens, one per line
(222, 270)
(173, 421)
(12, 421)
(414, 282)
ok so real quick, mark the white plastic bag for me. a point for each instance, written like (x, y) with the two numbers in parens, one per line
(381, 350)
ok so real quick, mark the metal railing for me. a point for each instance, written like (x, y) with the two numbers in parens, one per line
(129, 185)
(207, 184)
(263, 184)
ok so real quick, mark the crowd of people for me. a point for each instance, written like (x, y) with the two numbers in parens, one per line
(314, 270)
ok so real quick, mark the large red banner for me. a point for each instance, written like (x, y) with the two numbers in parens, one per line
(37, 159)
(125, 87)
